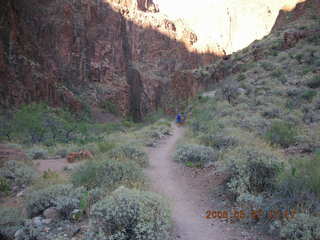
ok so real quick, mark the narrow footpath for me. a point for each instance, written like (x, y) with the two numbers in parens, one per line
(188, 196)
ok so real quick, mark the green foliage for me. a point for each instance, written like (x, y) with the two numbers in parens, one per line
(282, 133)
(301, 227)
(230, 93)
(60, 196)
(196, 154)
(11, 220)
(309, 95)
(108, 174)
(307, 170)
(106, 146)
(62, 152)
(28, 121)
(39, 123)
(241, 77)
(109, 107)
(130, 214)
(251, 170)
(219, 141)
(18, 173)
(4, 185)
(267, 66)
(277, 73)
(130, 152)
(37, 153)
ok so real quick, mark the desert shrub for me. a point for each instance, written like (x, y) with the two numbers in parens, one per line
(282, 133)
(314, 82)
(251, 170)
(11, 220)
(106, 146)
(309, 95)
(18, 173)
(230, 93)
(37, 153)
(4, 185)
(196, 154)
(40, 200)
(241, 77)
(219, 141)
(130, 152)
(308, 171)
(62, 152)
(130, 214)
(301, 227)
(267, 66)
(253, 122)
(66, 204)
(39, 123)
(163, 122)
(271, 112)
(277, 73)
(109, 107)
(108, 174)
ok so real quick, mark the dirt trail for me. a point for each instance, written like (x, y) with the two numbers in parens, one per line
(188, 196)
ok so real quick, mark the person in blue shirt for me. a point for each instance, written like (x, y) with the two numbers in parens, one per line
(178, 119)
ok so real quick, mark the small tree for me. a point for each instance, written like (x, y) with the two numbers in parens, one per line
(28, 122)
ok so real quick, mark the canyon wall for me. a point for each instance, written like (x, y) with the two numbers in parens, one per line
(82, 53)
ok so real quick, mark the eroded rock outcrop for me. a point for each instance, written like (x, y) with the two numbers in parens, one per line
(85, 52)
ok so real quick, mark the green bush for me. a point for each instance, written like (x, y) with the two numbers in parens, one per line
(309, 95)
(301, 227)
(109, 107)
(130, 214)
(38, 201)
(4, 185)
(196, 154)
(130, 152)
(267, 66)
(108, 173)
(18, 173)
(62, 153)
(314, 82)
(219, 141)
(11, 220)
(39, 123)
(106, 146)
(282, 133)
(37, 153)
(304, 173)
(252, 170)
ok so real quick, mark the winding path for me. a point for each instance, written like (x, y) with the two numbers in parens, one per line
(188, 196)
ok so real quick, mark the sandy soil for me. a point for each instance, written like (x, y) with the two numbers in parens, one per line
(188, 190)
(56, 165)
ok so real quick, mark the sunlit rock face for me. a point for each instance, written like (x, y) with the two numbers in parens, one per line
(84, 52)
(231, 24)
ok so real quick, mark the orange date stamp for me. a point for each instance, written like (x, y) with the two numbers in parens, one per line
(254, 214)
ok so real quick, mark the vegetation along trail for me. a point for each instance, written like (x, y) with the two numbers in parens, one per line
(188, 196)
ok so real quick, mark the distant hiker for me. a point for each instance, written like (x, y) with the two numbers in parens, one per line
(178, 119)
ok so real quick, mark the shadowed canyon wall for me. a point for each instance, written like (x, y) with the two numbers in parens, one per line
(84, 52)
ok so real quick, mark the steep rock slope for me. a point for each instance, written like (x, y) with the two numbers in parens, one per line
(231, 24)
(84, 53)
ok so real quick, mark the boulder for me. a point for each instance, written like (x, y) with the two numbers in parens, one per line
(51, 213)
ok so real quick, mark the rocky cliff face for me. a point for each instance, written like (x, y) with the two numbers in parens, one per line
(85, 52)
(230, 24)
